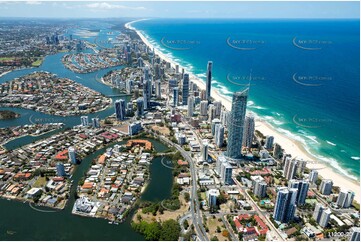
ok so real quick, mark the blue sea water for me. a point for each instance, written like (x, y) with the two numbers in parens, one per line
(305, 74)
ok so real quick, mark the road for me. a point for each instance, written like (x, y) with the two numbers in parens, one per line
(194, 207)
(260, 213)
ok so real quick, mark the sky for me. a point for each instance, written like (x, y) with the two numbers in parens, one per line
(148, 9)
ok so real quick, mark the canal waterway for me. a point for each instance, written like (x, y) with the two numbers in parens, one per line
(21, 221)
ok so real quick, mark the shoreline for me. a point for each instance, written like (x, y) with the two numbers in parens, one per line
(291, 146)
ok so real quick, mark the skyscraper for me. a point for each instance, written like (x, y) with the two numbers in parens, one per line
(204, 108)
(95, 122)
(285, 206)
(84, 121)
(190, 106)
(325, 217)
(259, 188)
(220, 160)
(185, 89)
(277, 151)
(226, 173)
(345, 198)
(140, 107)
(248, 131)
(209, 81)
(321, 215)
(219, 135)
(72, 154)
(204, 152)
(60, 170)
(326, 187)
(302, 190)
(312, 177)
(158, 89)
(119, 106)
(147, 87)
(218, 107)
(224, 117)
(355, 234)
(175, 96)
(269, 142)
(235, 124)
(213, 125)
(290, 168)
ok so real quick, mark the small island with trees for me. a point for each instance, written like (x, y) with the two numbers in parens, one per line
(6, 114)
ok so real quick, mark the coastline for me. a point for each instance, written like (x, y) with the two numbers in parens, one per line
(291, 146)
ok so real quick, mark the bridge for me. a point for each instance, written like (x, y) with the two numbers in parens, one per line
(164, 154)
(119, 95)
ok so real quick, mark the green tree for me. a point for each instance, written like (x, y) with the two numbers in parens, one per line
(170, 230)
(152, 231)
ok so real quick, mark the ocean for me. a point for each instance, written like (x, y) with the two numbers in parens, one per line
(303, 74)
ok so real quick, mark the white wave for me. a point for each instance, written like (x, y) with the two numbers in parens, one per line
(330, 143)
(259, 107)
(313, 138)
(224, 90)
(250, 103)
(331, 162)
(278, 114)
(277, 122)
(201, 75)
(355, 157)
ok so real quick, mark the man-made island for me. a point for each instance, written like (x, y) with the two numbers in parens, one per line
(47, 93)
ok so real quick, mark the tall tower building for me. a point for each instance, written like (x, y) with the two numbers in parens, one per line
(277, 151)
(226, 173)
(219, 135)
(312, 177)
(175, 96)
(72, 155)
(213, 125)
(235, 124)
(140, 107)
(204, 108)
(290, 168)
(218, 107)
(321, 215)
(60, 170)
(345, 198)
(355, 234)
(285, 206)
(190, 106)
(185, 89)
(204, 152)
(95, 122)
(220, 160)
(269, 142)
(326, 186)
(302, 190)
(158, 89)
(224, 117)
(248, 131)
(119, 106)
(84, 121)
(209, 81)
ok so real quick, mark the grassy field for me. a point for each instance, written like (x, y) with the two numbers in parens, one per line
(40, 182)
(6, 58)
(37, 63)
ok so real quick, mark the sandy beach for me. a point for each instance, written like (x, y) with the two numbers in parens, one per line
(291, 146)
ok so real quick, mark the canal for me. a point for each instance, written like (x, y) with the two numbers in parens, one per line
(20, 221)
